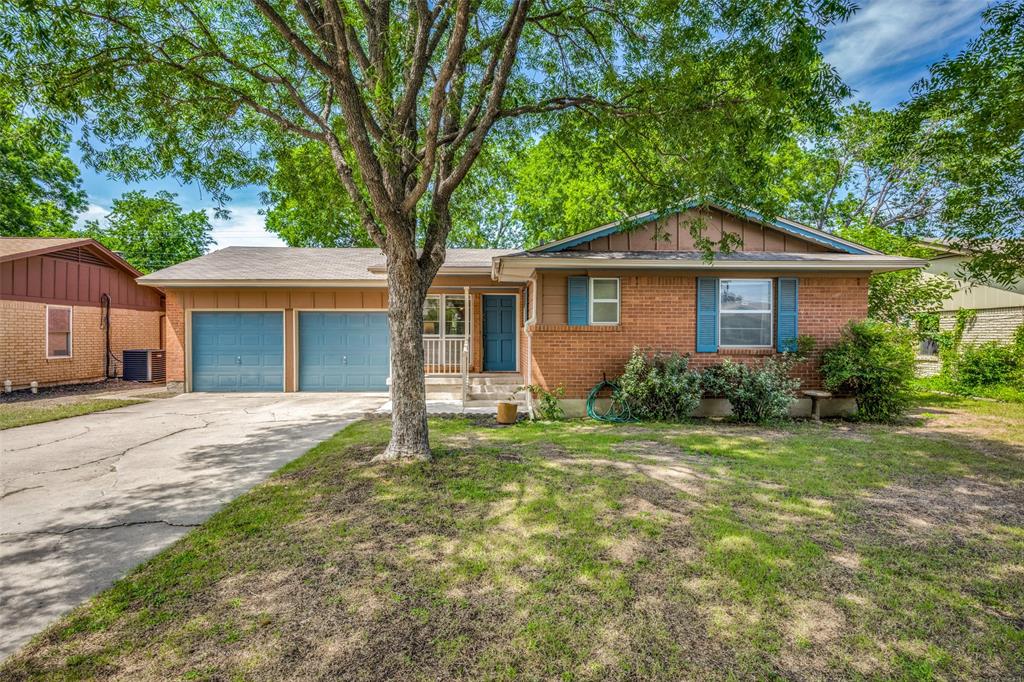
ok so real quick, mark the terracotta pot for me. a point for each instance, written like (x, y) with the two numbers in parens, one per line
(507, 412)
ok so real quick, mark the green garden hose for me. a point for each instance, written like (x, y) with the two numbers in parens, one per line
(618, 411)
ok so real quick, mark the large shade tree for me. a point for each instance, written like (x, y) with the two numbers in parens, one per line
(40, 187)
(403, 96)
(152, 232)
(948, 163)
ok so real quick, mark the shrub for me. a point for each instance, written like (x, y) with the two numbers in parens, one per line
(757, 394)
(548, 406)
(874, 362)
(659, 386)
(985, 364)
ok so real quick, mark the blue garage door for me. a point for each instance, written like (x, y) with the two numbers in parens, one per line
(343, 351)
(238, 351)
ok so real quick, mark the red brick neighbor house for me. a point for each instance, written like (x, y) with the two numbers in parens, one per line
(57, 298)
(563, 314)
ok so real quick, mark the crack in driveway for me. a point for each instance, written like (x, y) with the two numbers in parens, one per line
(49, 442)
(122, 453)
(19, 490)
(125, 524)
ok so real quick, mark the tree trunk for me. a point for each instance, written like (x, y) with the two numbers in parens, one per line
(406, 292)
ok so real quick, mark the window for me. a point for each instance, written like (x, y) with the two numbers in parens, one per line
(454, 308)
(58, 331)
(454, 316)
(432, 316)
(604, 301)
(745, 312)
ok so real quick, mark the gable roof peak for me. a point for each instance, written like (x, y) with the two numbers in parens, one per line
(786, 225)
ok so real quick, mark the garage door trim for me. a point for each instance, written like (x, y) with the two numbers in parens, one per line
(188, 340)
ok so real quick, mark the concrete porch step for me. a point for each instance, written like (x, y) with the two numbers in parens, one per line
(492, 403)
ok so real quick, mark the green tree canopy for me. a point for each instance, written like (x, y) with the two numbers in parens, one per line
(948, 163)
(152, 232)
(40, 187)
(404, 96)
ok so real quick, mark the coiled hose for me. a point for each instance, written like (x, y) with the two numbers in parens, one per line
(618, 410)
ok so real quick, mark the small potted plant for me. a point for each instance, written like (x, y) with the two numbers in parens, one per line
(508, 410)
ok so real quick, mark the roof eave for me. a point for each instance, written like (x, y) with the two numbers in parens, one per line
(519, 267)
(262, 283)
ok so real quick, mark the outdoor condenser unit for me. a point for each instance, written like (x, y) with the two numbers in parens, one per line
(144, 365)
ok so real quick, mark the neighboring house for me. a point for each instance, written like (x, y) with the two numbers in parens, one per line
(55, 296)
(998, 308)
(565, 313)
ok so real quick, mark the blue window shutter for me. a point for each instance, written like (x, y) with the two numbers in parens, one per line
(579, 301)
(788, 298)
(707, 314)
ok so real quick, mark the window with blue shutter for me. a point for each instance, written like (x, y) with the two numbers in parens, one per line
(579, 301)
(707, 314)
(788, 313)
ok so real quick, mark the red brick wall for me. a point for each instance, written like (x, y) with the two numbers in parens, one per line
(23, 342)
(658, 312)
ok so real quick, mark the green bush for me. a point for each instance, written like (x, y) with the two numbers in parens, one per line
(986, 364)
(548, 406)
(757, 394)
(874, 362)
(659, 386)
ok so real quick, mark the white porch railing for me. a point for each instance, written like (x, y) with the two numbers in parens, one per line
(444, 355)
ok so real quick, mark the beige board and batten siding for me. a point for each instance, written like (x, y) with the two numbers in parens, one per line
(673, 233)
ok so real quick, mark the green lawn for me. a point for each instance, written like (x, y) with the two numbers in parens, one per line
(585, 551)
(23, 414)
(1011, 393)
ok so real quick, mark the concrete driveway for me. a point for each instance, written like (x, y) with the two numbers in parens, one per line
(83, 500)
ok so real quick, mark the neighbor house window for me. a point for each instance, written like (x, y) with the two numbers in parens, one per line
(58, 331)
(454, 316)
(432, 316)
(745, 312)
(604, 300)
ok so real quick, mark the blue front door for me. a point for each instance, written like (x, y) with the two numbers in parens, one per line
(343, 351)
(237, 351)
(499, 333)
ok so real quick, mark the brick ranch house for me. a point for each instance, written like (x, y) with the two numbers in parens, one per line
(55, 296)
(562, 314)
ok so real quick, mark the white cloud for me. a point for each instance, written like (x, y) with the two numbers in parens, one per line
(888, 44)
(93, 212)
(245, 227)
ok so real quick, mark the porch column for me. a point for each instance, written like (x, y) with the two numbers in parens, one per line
(465, 344)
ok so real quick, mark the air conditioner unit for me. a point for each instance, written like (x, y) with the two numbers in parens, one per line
(144, 365)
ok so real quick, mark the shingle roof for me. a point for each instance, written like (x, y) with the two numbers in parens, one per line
(17, 246)
(283, 264)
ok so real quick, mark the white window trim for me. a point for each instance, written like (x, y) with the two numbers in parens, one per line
(770, 311)
(442, 321)
(440, 316)
(71, 332)
(617, 300)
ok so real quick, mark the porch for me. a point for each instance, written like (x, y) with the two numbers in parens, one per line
(472, 330)
(472, 344)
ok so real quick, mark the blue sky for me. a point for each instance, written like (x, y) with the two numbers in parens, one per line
(880, 53)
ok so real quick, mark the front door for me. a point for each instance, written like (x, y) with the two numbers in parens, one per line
(499, 333)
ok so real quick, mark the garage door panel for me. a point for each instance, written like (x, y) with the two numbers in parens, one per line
(237, 351)
(343, 351)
